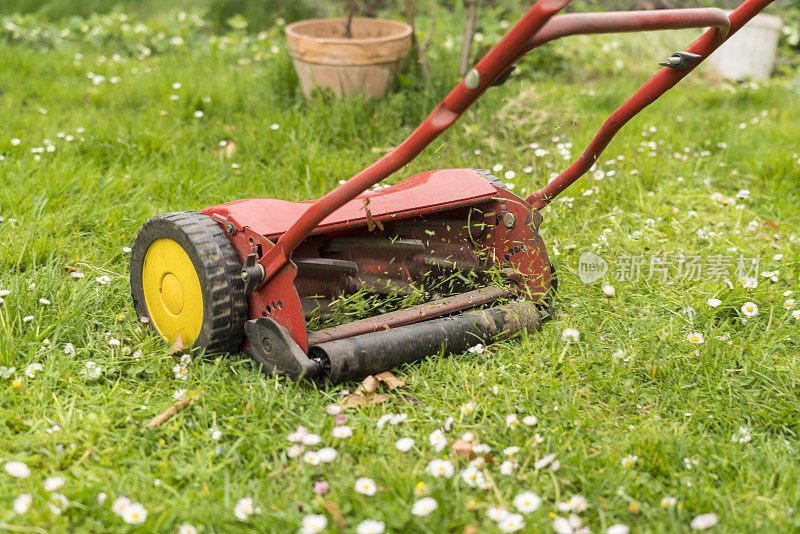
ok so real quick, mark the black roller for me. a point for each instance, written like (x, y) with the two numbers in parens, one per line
(368, 354)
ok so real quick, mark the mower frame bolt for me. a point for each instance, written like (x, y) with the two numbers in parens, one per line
(230, 228)
(509, 219)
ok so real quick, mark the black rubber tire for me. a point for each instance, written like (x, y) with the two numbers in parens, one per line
(217, 267)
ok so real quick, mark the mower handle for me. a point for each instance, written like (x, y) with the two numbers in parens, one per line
(656, 86)
(531, 31)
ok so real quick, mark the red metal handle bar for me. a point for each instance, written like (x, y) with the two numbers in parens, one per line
(491, 66)
(656, 86)
(523, 37)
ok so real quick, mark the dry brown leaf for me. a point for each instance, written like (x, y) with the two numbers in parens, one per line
(168, 413)
(177, 345)
(370, 384)
(69, 269)
(390, 380)
(371, 223)
(333, 509)
(353, 400)
(377, 398)
(471, 529)
(464, 448)
(361, 398)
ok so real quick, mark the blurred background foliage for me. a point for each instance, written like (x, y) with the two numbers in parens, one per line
(259, 15)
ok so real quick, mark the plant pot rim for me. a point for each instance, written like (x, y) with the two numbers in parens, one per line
(294, 30)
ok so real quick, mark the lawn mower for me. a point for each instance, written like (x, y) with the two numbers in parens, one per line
(250, 274)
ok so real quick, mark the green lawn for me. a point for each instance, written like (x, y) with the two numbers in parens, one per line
(634, 412)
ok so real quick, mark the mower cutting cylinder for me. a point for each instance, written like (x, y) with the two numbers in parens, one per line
(358, 356)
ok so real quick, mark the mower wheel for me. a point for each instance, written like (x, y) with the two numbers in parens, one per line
(186, 281)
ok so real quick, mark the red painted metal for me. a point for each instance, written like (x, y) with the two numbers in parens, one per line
(489, 68)
(521, 38)
(414, 314)
(421, 194)
(656, 86)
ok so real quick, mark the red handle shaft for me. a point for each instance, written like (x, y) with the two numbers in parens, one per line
(460, 98)
(656, 86)
(535, 28)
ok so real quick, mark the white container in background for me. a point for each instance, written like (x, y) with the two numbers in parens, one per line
(750, 53)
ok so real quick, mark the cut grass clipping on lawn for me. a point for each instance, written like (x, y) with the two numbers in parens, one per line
(662, 397)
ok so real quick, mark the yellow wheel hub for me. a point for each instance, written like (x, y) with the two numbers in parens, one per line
(172, 291)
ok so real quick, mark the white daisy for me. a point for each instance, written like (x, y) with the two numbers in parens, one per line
(530, 420)
(32, 368)
(668, 502)
(370, 526)
(796, 314)
(544, 461)
(23, 503)
(17, 469)
(527, 502)
(294, 451)
(576, 503)
(341, 432)
(497, 513)
(134, 514)
(424, 506)
(54, 483)
(314, 523)
(628, 461)
(714, 302)
(187, 529)
(742, 435)
(609, 291)
(695, 337)
(58, 503)
(750, 309)
(704, 521)
(573, 525)
(312, 457)
(619, 528)
(327, 455)
(91, 371)
(404, 444)
(245, 508)
(180, 372)
(119, 505)
(311, 439)
(468, 408)
(570, 335)
(438, 441)
(440, 468)
(333, 409)
(507, 468)
(749, 282)
(473, 477)
(512, 421)
(366, 486)
(511, 523)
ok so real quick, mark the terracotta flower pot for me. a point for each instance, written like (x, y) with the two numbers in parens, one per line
(365, 64)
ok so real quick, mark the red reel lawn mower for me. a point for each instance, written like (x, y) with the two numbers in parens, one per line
(261, 268)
